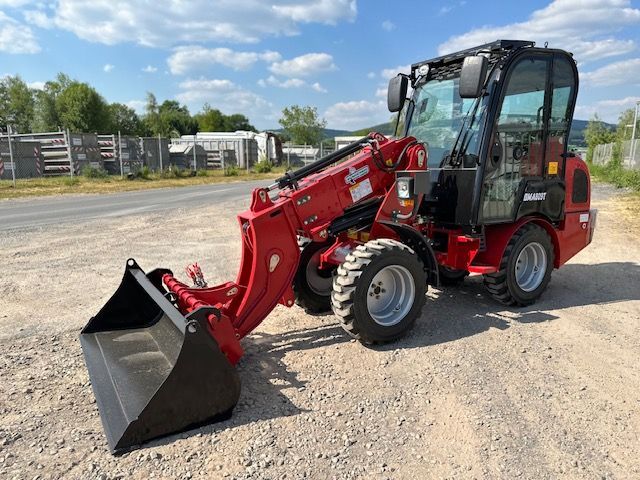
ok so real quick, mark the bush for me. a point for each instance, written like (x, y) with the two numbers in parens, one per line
(231, 171)
(614, 173)
(263, 166)
(71, 181)
(92, 172)
(173, 172)
(144, 173)
(202, 173)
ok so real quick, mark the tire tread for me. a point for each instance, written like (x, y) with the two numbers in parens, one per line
(345, 283)
(497, 283)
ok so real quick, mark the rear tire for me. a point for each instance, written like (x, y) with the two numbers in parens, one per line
(525, 268)
(451, 276)
(311, 285)
(379, 291)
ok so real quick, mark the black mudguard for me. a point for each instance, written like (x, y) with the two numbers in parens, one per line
(419, 244)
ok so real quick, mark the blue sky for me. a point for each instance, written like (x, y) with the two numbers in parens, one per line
(257, 57)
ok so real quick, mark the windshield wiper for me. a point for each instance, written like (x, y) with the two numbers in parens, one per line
(454, 158)
(407, 118)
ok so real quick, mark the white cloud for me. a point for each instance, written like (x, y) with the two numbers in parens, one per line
(324, 11)
(445, 9)
(304, 65)
(583, 27)
(16, 38)
(36, 85)
(39, 19)
(150, 69)
(318, 88)
(607, 110)
(193, 57)
(225, 96)
(14, 3)
(388, 26)
(274, 82)
(108, 67)
(625, 72)
(371, 75)
(165, 23)
(381, 92)
(290, 83)
(356, 114)
(389, 73)
(137, 105)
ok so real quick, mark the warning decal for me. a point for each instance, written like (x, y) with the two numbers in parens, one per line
(360, 190)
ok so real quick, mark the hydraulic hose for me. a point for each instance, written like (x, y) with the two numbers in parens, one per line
(290, 178)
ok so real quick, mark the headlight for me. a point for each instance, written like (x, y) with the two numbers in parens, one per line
(404, 187)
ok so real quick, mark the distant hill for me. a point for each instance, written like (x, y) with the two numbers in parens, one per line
(576, 136)
(328, 132)
(383, 128)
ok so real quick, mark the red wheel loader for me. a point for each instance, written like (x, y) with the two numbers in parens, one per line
(479, 180)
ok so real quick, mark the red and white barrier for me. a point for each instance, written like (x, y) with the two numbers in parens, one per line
(36, 153)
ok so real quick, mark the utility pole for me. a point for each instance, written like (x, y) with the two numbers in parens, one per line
(633, 133)
(160, 151)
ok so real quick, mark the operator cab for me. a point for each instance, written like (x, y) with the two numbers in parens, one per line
(495, 120)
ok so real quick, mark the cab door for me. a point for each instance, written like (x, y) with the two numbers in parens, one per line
(547, 197)
(525, 166)
(518, 139)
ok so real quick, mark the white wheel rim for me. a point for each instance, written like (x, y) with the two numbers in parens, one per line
(319, 284)
(390, 295)
(531, 266)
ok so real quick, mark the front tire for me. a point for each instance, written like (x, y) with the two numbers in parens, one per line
(379, 291)
(525, 269)
(312, 285)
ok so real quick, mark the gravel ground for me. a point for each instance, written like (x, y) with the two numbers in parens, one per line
(476, 390)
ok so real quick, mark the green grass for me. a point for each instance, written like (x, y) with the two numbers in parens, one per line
(263, 166)
(614, 173)
(92, 172)
(231, 171)
(80, 184)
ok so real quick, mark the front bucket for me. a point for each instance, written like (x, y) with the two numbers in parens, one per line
(153, 371)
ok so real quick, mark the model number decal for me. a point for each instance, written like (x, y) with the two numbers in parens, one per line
(534, 197)
(354, 175)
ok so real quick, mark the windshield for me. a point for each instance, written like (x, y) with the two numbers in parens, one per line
(438, 117)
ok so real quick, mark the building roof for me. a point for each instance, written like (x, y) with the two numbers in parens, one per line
(186, 149)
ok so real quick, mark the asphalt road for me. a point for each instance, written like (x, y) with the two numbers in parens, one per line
(41, 211)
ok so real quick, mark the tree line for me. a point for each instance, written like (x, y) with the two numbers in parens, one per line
(77, 106)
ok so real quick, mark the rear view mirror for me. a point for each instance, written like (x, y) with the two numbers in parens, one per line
(397, 93)
(472, 76)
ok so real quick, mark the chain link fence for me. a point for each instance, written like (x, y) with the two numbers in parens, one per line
(63, 153)
(20, 159)
(629, 154)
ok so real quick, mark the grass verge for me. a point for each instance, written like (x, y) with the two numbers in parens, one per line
(627, 205)
(88, 184)
(616, 175)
